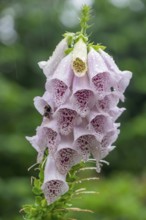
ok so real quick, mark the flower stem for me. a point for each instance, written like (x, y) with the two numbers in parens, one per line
(85, 17)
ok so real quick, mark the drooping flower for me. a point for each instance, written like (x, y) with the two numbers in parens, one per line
(83, 96)
(54, 183)
(50, 65)
(79, 58)
(79, 108)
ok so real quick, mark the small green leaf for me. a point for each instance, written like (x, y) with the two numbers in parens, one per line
(96, 47)
(36, 191)
(67, 51)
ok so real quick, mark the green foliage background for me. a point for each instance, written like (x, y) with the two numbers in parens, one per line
(38, 27)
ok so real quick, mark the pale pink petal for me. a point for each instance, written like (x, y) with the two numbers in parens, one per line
(59, 85)
(58, 54)
(83, 96)
(84, 141)
(60, 91)
(66, 119)
(124, 81)
(116, 112)
(109, 101)
(100, 123)
(96, 64)
(98, 72)
(41, 103)
(106, 151)
(66, 156)
(101, 82)
(54, 183)
(34, 142)
(52, 137)
(96, 153)
(47, 136)
(109, 138)
(123, 77)
(109, 61)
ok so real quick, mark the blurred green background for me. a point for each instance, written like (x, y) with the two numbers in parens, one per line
(29, 31)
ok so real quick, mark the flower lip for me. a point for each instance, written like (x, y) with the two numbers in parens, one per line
(60, 91)
(66, 119)
(100, 123)
(66, 156)
(83, 97)
(107, 101)
(84, 140)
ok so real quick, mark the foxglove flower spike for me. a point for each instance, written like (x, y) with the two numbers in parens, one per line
(79, 107)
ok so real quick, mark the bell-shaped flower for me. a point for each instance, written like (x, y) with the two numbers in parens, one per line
(100, 78)
(100, 123)
(47, 136)
(66, 118)
(60, 83)
(84, 141)
(53, 136)
(54, 183)
(58, 54)
(79, 58)
(123, 77)
(66, 156)
(83, 97)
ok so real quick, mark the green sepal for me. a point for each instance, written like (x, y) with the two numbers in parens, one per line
(67, 51)
(96, 47)
(70, 38)
(37, 187)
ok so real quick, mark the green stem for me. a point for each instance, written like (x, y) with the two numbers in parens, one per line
(85, 17)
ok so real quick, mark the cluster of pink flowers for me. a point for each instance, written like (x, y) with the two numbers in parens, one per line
(79, 109)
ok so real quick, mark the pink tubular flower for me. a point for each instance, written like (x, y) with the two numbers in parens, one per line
(79, 109)
(60, 83)
(84, 141)
(54, 183)
(83, 95)
(66, 118)
(49, 66)
(66, 156)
